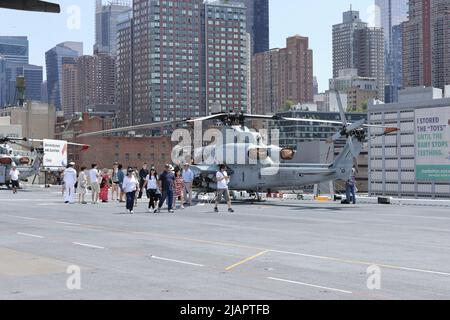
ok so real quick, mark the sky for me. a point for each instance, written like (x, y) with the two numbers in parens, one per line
(76, 22)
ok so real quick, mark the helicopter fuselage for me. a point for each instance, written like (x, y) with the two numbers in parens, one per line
(23, 160)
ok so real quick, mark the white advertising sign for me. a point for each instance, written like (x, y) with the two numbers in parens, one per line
(433, 144)
(55, 154)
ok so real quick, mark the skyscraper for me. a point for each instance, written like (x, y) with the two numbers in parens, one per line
(88, 81)
(54, 61)
(2, 81)
(33, 79)
(173, 55)
(168, 60)
(106, 19)
(315, 86)
(357, 46)
(283, 75)
(124, 63)
(426, 44)
(86, 75)
(14, 49)
(343, 41)
(440, 35)
(15, 53)
(105, 80)
(369, 56)
(258, 24)
(265, 82)
(417, 45)
(69, 88)
(227, 58)
(391, 15)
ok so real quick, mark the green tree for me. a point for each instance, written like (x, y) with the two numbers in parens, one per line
(361, 108)
(288, 105)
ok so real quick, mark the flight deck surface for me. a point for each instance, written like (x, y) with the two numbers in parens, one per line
(278, 250)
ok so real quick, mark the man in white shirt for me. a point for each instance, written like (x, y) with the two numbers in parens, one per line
(188, 178)
(14, 175)
(222, 188)
(130, 185)
(95, 186)
(70, 178)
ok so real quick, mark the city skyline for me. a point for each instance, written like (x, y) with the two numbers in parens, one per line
(285, 21)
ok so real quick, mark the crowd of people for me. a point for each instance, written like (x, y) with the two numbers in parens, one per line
(174, 186)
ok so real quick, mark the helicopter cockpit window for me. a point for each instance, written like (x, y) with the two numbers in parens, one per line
(258, 154)
(287, 154)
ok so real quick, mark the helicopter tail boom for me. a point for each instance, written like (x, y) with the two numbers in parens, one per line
(346, 160)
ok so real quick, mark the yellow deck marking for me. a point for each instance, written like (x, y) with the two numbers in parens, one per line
(243, 246)
(246, 260)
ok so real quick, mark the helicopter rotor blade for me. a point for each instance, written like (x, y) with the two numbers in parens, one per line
(132, 128)
(312, 120)
(341, 108)
(352, 147)
(29, 147)
(215, 116)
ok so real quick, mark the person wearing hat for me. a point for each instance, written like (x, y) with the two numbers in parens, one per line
(167, 186)
(14, 176)
(188, 178)
(70, 178)
(130, 185)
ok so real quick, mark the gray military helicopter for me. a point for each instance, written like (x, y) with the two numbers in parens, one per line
(30, 5)
(28, 161)
(264, 167)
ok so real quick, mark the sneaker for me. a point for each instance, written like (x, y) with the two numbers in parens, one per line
(230, 210)
(216, 210)
(131, 212)
(156, 211)
(182, 207)
(171, 211)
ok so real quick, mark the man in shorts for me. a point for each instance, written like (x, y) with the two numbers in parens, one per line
(14, 175)
(223, 179)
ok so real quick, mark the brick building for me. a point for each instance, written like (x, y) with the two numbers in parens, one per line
(426, 44)
(282, 75)
(104, 150)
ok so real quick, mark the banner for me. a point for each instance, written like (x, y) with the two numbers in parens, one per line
(433, 144)
(55, 154)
